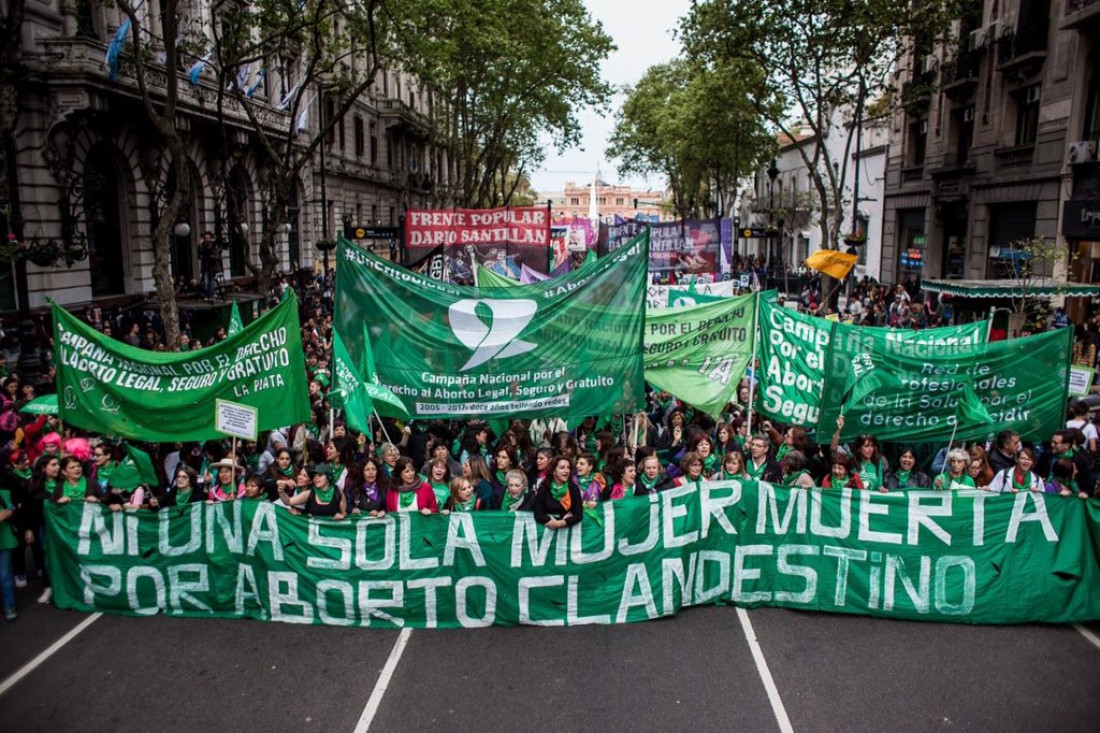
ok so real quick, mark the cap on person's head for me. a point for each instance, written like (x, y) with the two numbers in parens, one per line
(325, 468)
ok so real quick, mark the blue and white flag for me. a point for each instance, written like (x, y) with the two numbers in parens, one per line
(285, 102)
(256, 84)
(115, 49)
(302, 121)
(196, 70)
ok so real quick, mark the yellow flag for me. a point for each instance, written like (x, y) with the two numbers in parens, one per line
(832, 263)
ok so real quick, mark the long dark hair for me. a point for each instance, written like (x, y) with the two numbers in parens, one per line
(355, 484)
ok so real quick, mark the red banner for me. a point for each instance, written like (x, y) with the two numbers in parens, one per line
(521, 225)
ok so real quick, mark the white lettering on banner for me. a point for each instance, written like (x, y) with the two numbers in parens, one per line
(370, 606)
(461, 535)
(672, 569)
(572, 615)
(283, 591)
(247, 591)
(429, 586)
(134, 575)
(462, 606)
(637, 592)
(786, 567)
(526, 586)
(742, 574)
(721, 575)
(652, 535)
(492, 408)
(346, 594)
(181, 590)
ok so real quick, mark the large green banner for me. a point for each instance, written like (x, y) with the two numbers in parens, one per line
(982, 387)
(966, 556)
(569, 346)
(110, 387)
(699, 353)
(800, 354)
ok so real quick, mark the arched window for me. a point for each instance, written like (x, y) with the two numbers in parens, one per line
(103, 217)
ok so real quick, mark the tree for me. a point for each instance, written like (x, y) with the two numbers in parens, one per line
(513, 74)
(171, 177)
(695, 127)
(822, 61)
(1032, 262)
(324, 50)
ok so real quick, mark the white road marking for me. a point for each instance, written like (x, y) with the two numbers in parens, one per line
(765, 673)
(1088, 635)
(383, 681)
(37, 661)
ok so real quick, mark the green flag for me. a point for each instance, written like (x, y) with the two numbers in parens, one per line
(385, 401)
(589, 258)
(235, 325)
(954, 383)
(486, 278)
(569, 346)
(135, 469)
(865, 378)
(699, 353)
(112, 388)
(347, 392)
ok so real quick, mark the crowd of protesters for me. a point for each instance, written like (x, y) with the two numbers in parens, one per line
(555, 469)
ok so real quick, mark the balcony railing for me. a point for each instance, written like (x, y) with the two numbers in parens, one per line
(960, 76)
(1024, 51)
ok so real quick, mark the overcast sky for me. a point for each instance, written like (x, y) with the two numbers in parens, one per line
(643, 32)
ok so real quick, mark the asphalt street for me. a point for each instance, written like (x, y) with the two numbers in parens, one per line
(693, 672)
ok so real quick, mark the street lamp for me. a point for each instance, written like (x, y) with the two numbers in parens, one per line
(773, 173)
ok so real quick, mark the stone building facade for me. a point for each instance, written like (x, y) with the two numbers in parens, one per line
(611, 200)
(85, 163)
(982, 152)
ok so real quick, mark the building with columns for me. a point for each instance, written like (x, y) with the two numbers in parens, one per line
(87, 174)
(611, 200)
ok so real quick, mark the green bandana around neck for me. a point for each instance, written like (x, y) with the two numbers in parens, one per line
(78, 491)
(558, 491)
(324, 496)
(405, 499)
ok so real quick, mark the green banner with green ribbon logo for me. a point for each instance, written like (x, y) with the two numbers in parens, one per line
(110, 387)
(699, 353)
(800, 354)
(963, 556)
(570, 346)
(956, 384)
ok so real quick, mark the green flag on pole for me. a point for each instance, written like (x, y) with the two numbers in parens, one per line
(235, 324)
(135, 469)
(486, 278)
(385, 401)
(347, 392)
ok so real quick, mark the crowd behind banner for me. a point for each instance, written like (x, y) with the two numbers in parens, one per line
(555, 469)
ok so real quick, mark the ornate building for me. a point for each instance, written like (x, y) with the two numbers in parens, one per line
(996, 142)
(87, 174)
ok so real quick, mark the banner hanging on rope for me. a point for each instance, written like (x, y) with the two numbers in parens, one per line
(966, 556)
(113, 388)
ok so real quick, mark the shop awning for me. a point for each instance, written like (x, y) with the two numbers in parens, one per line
(1007, 289)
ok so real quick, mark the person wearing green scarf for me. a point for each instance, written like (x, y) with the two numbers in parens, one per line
(183, 490)
(907, 475)
(516, 497)
(692, 467)
(1018, 478)
(462, 498)
(280, 474)
(558, 502)
(650, 478)
(504, 460)
(793, 468)
(955, 478)
(593, 485)
(408, 493)
(733, 468)
(73, 485)
(323, 499)
(439, 478)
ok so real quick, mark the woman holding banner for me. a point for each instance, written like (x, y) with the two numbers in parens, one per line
(906, 475)
(592, 484)
(558, 502)
(691, 467)
(516, 498)
(1018, 478)
(624, 474)
(408, 493)
(226, 487)
(280, 474)
(366, 490)
(795, 475)
(733, 467)
(183, 491)
(870, 465)
(323, 499)
(72, 485)
(439, 477)
(955, 477)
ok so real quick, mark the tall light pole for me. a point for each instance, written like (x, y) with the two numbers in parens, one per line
(773, 173)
